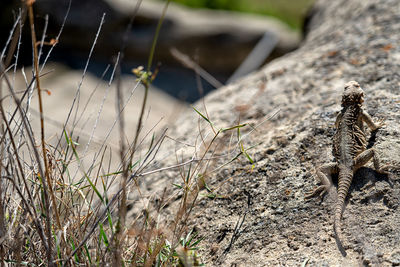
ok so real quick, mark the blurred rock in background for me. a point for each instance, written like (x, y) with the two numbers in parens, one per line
(218, 41)
(93, 121)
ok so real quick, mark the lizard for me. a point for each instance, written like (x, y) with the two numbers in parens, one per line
(349, 150)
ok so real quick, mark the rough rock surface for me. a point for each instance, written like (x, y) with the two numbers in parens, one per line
(347, 40)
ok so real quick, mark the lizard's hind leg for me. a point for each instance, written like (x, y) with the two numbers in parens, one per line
(365, 156)
(324, 174)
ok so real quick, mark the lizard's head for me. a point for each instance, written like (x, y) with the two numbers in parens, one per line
(353, 94)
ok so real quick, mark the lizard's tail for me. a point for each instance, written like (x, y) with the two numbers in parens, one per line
(345, 178)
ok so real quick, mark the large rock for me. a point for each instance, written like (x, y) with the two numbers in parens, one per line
(347, 40)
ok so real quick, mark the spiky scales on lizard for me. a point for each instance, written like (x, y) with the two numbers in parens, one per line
(350, 152)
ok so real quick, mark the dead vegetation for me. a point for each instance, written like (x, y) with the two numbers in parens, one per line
(56, 210)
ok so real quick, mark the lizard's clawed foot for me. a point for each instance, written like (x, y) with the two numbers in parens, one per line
(379, 124)
(320, 190)
(384, 169)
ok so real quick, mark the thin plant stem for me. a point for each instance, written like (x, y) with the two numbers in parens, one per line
(146, 82)
(46, 167)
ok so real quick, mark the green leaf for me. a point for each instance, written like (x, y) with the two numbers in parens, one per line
(177, 185)
(204, 117)
(87, 253)
(197, 242)
(73, 248)
(248, 157)
(207, 187)
(233, 127)
(94, 188)
(103, 235)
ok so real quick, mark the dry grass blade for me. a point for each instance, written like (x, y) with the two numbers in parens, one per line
(116, 197)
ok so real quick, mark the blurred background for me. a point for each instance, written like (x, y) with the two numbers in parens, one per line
(203, 44)
(213, 36)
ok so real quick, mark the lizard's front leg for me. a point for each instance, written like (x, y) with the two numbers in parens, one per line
(324, 174)
(371, 124)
